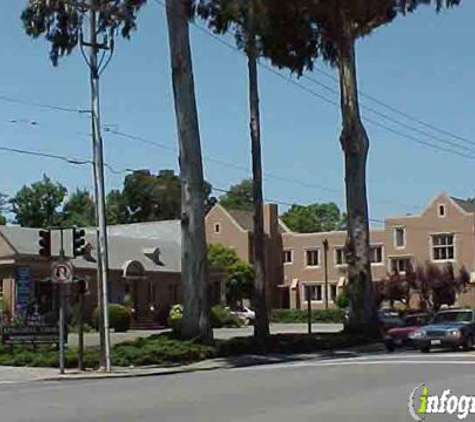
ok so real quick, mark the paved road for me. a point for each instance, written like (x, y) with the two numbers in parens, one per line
(362, 390)
(92, 339)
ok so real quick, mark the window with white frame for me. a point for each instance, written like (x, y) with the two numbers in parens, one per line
(376, 254)
(314, 292)
(443, 247)
(287, 256)
(217, 228)
(312, 257)
(400, 265)
(442, 210)
(400, 237)
(340, 256)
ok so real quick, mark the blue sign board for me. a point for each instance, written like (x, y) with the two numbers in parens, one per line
(23, 289)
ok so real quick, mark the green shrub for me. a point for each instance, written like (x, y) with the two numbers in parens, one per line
(342, 300)
(219, 317)
(159, 349)
(288, 316)
(119, 318)
(174, 318)
(222, 317)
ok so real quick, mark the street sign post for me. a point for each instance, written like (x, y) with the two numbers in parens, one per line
(61, 273)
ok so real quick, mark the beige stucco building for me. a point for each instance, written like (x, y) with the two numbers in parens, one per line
(145, 258)
(443, 232)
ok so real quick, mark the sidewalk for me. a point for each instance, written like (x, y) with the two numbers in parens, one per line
(21, 374)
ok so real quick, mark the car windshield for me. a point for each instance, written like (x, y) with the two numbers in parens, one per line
(462, 316)
(415, 320)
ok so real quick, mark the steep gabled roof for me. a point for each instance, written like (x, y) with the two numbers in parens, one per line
(126, 242)
(243, 219)
(467, 206)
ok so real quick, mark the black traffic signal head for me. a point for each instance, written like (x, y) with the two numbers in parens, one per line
(79, 241)
(82, 286)
(45, 243)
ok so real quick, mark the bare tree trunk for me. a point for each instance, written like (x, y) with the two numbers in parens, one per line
(355, 145)
(194, 269)
(261, 325)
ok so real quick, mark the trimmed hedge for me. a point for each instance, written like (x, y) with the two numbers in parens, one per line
(220, 317)
(160, 349)
(288, 316)
(119, 318)
(166, 350)
(223, 318)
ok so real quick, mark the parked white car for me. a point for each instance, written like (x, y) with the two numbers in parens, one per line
(245, 314)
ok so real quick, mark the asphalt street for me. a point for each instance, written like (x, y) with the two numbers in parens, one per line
(368, 388)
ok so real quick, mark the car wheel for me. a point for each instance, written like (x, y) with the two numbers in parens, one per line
(425, 349)
(468, 345)
(390, 347)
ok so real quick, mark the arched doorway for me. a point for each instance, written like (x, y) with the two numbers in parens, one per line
(136, 289)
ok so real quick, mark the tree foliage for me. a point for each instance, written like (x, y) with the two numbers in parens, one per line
(60, 22)
(314, 218)
(297, 32)
(79, 209)
(239, 196)
(239, 274)
(148, 197)
(434, 286)
(39, 205)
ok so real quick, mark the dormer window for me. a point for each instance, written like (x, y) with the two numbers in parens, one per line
(442, 211)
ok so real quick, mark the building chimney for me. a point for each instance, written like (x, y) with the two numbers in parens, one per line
(271, 219)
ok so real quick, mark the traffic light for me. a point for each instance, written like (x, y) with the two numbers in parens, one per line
(45, 243)
(79, 242)
(82, 286)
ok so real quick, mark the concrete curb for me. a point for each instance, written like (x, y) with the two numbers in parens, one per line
(222, 363)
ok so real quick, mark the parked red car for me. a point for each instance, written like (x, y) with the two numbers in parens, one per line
(399, 336)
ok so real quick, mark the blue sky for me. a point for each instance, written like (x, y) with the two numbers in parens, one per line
(422, 64)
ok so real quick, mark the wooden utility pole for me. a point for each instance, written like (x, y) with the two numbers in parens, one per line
(325, 260)
(99, 185)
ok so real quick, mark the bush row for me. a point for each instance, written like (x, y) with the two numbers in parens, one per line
(221, 317)
(288, 316)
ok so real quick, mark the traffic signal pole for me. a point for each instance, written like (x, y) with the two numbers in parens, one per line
(61, 309)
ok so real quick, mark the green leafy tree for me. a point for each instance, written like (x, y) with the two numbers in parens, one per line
(79, 209)
(4, 208)
(314, 218)
(116, 208)
(243, 18)
(239, 274)
(39, 205)
(296, 34)
(238, 197)
(60, 21)
(148, 197)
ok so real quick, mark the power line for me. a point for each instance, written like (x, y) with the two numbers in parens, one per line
(69, 160)
(82, 161)
(397, 111)
(43, 106)
(396, 121)
(334, 103)
(266, 174)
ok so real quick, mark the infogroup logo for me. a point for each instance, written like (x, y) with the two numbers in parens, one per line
(423, 403)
